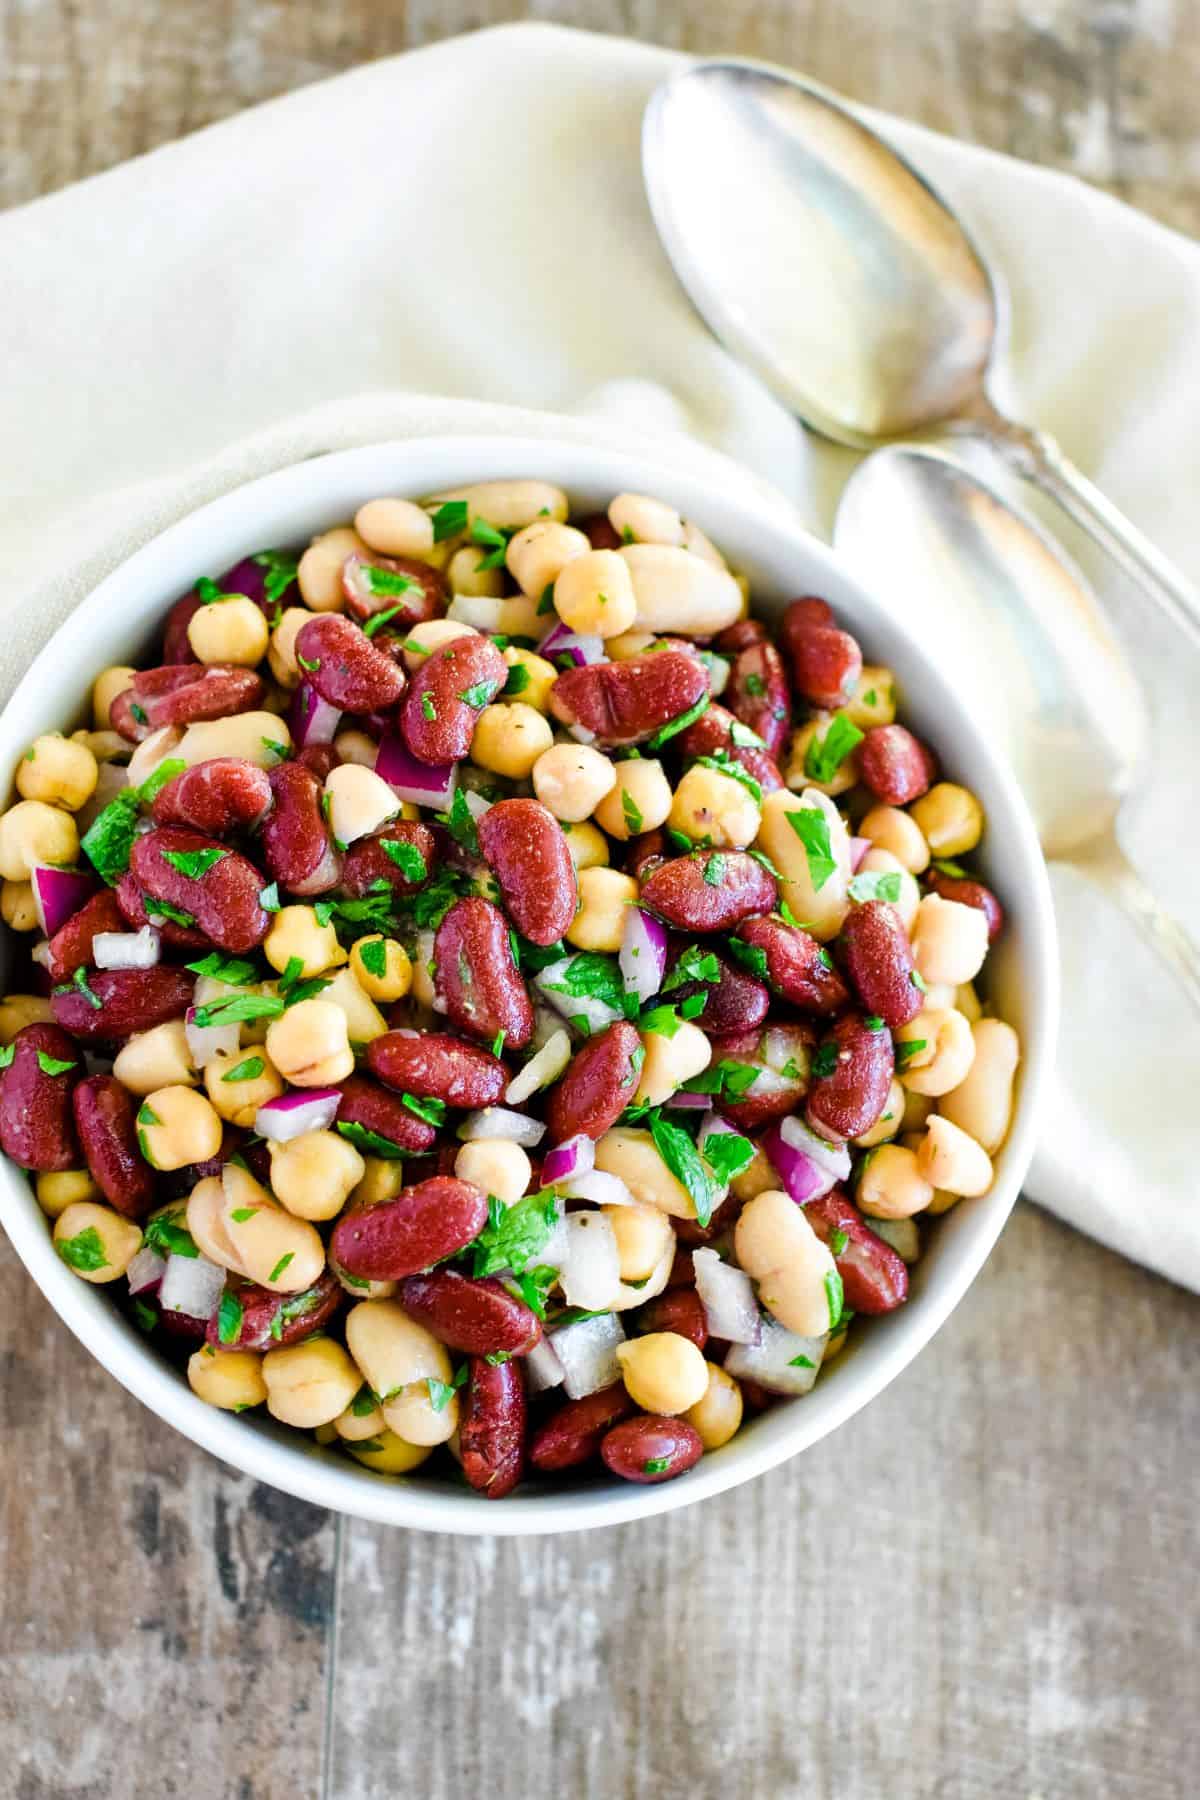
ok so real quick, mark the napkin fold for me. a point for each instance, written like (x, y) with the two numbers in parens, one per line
(428, 242)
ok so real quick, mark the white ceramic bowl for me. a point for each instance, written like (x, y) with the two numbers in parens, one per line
(119, 623)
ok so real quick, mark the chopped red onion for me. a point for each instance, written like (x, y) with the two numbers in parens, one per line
(476, 804)
(587, 1352)
(498, 1122)
(803, 1178)
(781, 1361)
(643, 956)
(191, 1285)
(542, 1068)
(832, 1158)
(423, 784)
(582, 648)
(542, 1367)
(127, 949)
(683, 1101)
(728, 1298)
(311, 719)
(146, 1270)
(290, 1115)
(858, 849)
(576, 1157)
(206, 1042)
(58, 894)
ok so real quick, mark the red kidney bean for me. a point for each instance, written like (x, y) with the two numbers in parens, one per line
(129, 1000)
(345, 667)
(600, 532)
(683, 1271)
(969, 892)
(717, 730)
(692, 1236)
(405, 1236)
(225, 794)
(71, 946)
(600, 1081)
(797, 967)
(877, 956)
(526, 849)
(370, 861)
(709, 890)
(223, 897)
(491, 1434)
(739, 637)
(35, 1106)
(477, 977)
(852, 1072)
(480, 1317)
(679, 1310)
(895, 765)
(177, 646)
(273, 1321)
(447, 695)
(645, 854)
(137, 911)
(874, 1278)
(734, 1002)
(574, 1433)
(757, 694)
(780, 1055)
(183, 694)
(826, 662)
(319, 759)
(297, 846)
(250, 577)
(652, 1448)
(424, 594)
(104, 1119)
(372, 1108)
(626, 702)
(804, 614)
(755, 1396)
(433, 1065)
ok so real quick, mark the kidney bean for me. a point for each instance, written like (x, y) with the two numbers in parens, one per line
(480, 1317)
(645, 854)
(345, 667)
(104, 1118)
(366, 1104)
(319, 759)
(709, 890)
(692, 1236)
(220, 796)
(273, 1321)
(968, 892)
(754, 1396)
(895, 765)
(249, 576)
(798, 968)
(600, 532)
(877, 956)
(652, 1448)
(296, 843)
(757, 694)
(435, 1066)
(874, 1279)
(600, 1081)
(425, 597)
(71, 946)
(136, 912)
(574, 1433)
(183, 694)
(223, 899)
(679, 1310)
(447, 695)
(369, 860)
(740, 636)
(491, 1435)
(734, 1002)
(404, 1236)
(35, 1107)
(477, 977)
(683, 1272)
(780, 1055)
(526, 849)
(626, 702)
(129, 1000)
(825, 662)
(717, 729)
(177, 646)
(852, 1072)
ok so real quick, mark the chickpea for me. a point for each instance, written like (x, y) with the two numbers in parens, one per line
(19, 1010)
(319, 574)
(882, 862)
(982, 1103)
(949, 940)
(532, 677)
(889, 1122)
(890, 829)
(891, 1186)
(395, 527)
(633, 1156)
(917, 1108)
(249, 735)
(356, 747)
(594, 595)
(950, 817)
(17, 906)
(571, 780)
(382, 1179)
(238, 1085)
(600, 921)
(297, 934)
(717, 1414)
(644, 1237)
(946, 1054)
(509, 739)
(107, 685)
(232, 1379)
(388, 1454)
(177, 1126)
(822, 907)
(588, 846)
(639, 519)
(364, 1020)
(708, 804)
(640, 799)
(59, 771)
(398, 1358)
(381, 967)
(309, 1384)
(467, 574)
(663, 1372)
(670, 1061)
(873, 700)
(631, 644)
(362, 1419)
(951, 1160)
(796, 773)
(96, 1242)
(358, 802)
(315, 1173)
(497, 1166)
(230, 630)
(281, 650)
(31, 833)
(58, 1189)
(105, 746)
(424, 639)
(514, 615)
(776, 1245)
(310, 1044)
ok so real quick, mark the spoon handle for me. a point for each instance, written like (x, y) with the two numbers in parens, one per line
(1040, 459)
(1107, 864)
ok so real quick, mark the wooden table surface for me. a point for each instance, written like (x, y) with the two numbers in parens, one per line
(983, 1586)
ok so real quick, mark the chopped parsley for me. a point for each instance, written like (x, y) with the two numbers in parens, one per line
(838, 1241)
(802, 1362)
(695, 964)
(162, 909)
(233, 970)
(907, 1048)
(812, 828)
(743, 738)
(679, 723)
(379, 619)
(441, 1392)
(168, 1237)
(751, 956)
(498, 1042)
(449, 519)
(407, 858)
(51, 1065)
(589, 975)
(428, 708)
(715, 868)
(387, 583)
(460, 823)
(514, 1235)
(433, 1112)
(79, 980)
(229, 1318)
(281, 1265)
(479, 695)
(194, 863)
(236, 1008)
(248, 1070)
(873, 885)
(726, 765)
(268, 897)
(518, 681)
(826, 754)
(756, 687)
(656, 1465)
(369, 1142)
(84, 1251)
(631, 812)
(825, 1059)
(954, 870)
(835, 1296)
(372, 953)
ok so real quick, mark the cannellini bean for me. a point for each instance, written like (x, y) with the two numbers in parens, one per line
(508, 504)
(663, 1372)
(639, 800)
(639, 519)
(890, 829)
(701, 545)
(816, 893)
(949, 940)
(778, 1248)
(982, 1103)
(424, 639)
(537, 555)
(467, 574)
(510, 738)
(398, 1358)
(248, 735)
(951, 1160)
(319, 572)
(604, 895)
(950, 817)
(670, 1061)
(495, 1165)
(571, 780)
(946, 1053)
(513, 615)
(678, 592)
(362, 1419)
(297, 934)
(891, 1185)
(309, 1384)
(796, 773)
(711, 806)
(269, 1245)
(594, 594)
(632, 1155)
(395, 527)
(58, 770)
(157, 748)
(230, 1379)
(281, 650)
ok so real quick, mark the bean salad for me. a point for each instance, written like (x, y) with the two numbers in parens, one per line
(486, 992)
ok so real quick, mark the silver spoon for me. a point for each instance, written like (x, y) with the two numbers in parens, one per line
(824, 261)
(1024, 635)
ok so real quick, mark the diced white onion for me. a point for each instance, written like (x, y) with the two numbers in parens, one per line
(127, 949)
(498, 1122)
(191, 1285)
(727, 1295)
(587, 1351)
(581, 734)
(206, 1042)
(476, 804)
(543, 1368)
(592, 1270)
(541, 1069)
(146, 1270)
(903, 1235)
(597, 1186)
(596, 1014)
(781, 1361)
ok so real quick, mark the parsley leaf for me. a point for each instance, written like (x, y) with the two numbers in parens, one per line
(751, 956)
(715, 866)
(281, 1265)
(631, 812)
(812, 828)
(518, 681)
(874, 885)
(51, 1065)
(428, 706)
(825, 1059)
(515, 1234)
(229, 1318)
(449, 519)
(727, 1153)
(233, 970)
(724, 764)
(79, 979)
(656, 1465)
(84, 1251)
(589, 975)
(826, 754)
(268, 898)
(680, 723)
(194, 863)
(388, 583)
(407, 858)
(441, 1392)
(683, 1159)
(432, 1111)
(460, 822)
(168, 1237)
(695, 964)
(479, 695)
(663, 1020)
(743, 738)
(369, 1142)
(378, 619)
(835, 1296)
(6, 1055)
(372, 954)
(235, 1008)
(248, 1070)
(162, 909)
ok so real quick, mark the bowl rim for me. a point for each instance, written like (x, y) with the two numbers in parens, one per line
(308, 492)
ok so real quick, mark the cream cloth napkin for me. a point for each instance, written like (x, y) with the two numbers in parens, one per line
(468, 221)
